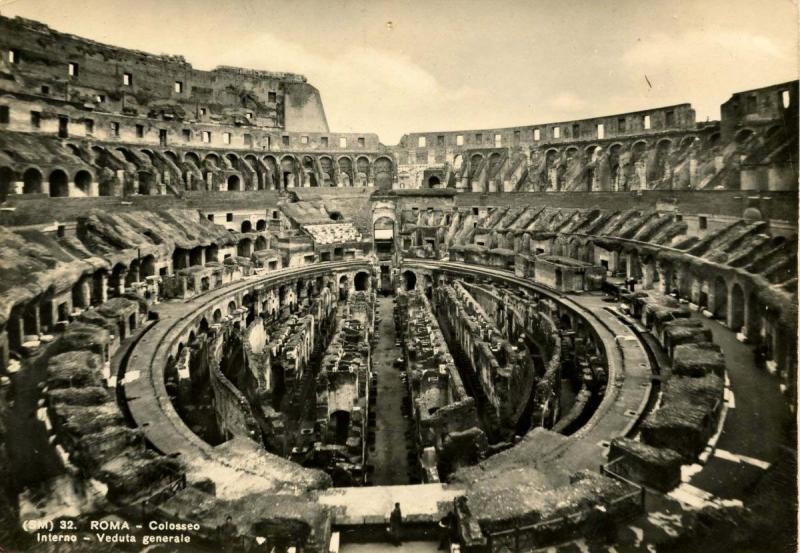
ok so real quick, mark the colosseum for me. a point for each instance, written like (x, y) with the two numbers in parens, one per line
(225, 327)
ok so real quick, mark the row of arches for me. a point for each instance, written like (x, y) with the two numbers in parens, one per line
(33, 182)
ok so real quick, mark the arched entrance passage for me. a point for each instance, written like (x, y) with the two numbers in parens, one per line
(409, 280)
(361, 281)
(428, 285)
(720, 298)
(32, 181)
(59, 184)
(83, 182)
(245, 248)
(383, 169)
(340, 426)
(6, 182)
(147, 183)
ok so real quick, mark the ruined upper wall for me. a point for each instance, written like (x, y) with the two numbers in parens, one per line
(750, 109)
(41, 61)
(653, 121)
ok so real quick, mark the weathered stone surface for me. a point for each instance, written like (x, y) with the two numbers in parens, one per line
(698, 360)
(658, 468)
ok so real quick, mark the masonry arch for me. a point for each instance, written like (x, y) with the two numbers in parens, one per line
(409, 280)
(743, 136)
(7, 179)
(340, 426)
(384, 173)
(247, 226)
(234, 183)
(212, 160)
(475, 162)
(260, 244)
(361, 281)
(244, 248)
(147, 182)
(83, 181)
(261, 225)
(344, 287)
(345, 171)
(288, 168)
(59, 184)
(32, 181)
(271, 164)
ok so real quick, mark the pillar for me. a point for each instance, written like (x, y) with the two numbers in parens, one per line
(696, 288)
(123, 275)
(665, 282)
(101, 289)
(647, 275)
(84, 293)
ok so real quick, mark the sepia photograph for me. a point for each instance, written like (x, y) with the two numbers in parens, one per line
(369, 276)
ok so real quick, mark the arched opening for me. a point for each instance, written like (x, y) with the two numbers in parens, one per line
(428, 285)
(260, 244)
(384, 173)
(148, 267)
(59, 184)
(340, 426)
(434, 182)
(720, 298)
(146, 183)
(234, 183)
(231, 307)
(345, 172)
(212, 253)
(409, 280)
(362, 171)
(344, 288)
(247, 226)
(83, 182)
(6, 182)
(217, 316)
(736, 308)
(245, 248)
(287, 172)
(361, 281)
(261, 225)
(743, 135)
(32, 181)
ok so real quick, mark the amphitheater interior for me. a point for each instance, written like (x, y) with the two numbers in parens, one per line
(217, 313)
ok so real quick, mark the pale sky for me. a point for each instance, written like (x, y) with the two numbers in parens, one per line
(463, 64)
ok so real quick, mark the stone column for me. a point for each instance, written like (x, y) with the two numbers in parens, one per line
(647, 275)
(121, 282)
(101, 290)
(84, 293)
(697, 286)
(664, 282)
